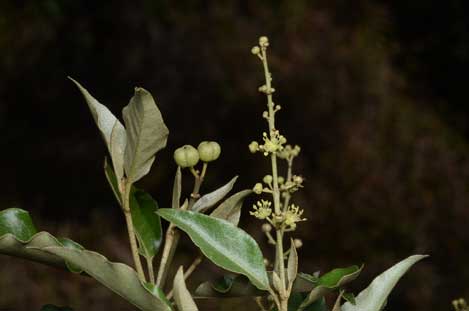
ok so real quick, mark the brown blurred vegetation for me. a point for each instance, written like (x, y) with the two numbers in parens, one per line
(385, 153)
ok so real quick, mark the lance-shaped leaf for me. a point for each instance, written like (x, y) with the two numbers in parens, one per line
(73, 245)
(223, 243)
(112, 180)
(17, 230)
(210, 199)
(292, 267)
(176, 201)
(374, 296)
(146, 134)
(156, 291)
(17, 222)
(118, 277)
(230, 209)
(117, 149)
(111, 129)
(182, 296)
(147, 223)
(277, 282)
(331, 281)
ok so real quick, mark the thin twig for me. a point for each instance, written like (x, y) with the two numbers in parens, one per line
(173, 234)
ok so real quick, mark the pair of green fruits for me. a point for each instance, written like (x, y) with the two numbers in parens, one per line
(188, 156)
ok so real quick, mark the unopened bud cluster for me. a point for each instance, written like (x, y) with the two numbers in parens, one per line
(188, 156)
(289, 152)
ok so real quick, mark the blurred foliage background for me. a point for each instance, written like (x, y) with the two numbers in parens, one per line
(374, 91)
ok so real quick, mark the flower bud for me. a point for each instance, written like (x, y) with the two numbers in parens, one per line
(281, 180)
(258, 188)
(255, 50)
(186, 156)
(264, 41)
(267, 179)
(209, 151)
(298, 243)
(254, 147)
(266, 227)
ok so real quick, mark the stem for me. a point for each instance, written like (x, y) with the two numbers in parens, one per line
(289, 178)
(279, 259)
(270, 238)
(172, 234)
(188, 272)
(151, 273)
(130, 230)
(171, 241)
(258, 301)
(197, 183)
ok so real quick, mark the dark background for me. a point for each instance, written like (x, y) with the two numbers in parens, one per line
(375, 92)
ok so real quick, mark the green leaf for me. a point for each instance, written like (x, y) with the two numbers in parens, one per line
(112, 180)
(146, 222)
(118, 277)
(146, 134)
(223, 243)
(107, 124)
(308, 277)
(13, 246)
(277, 282)
(176, 201)
(292, 266)
(16, 240)
(72, 245)
(117, 149)
(331, 281)
(49, 307)
(210, 199)
(157, 292)
(17, 222)
(374, 296)
(230, 209)
(182, 296)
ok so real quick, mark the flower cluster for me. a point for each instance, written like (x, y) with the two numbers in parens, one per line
(286, 219)
(262, 209)
(292, 185)
(289, 152)
(272, 144)
(293, 215)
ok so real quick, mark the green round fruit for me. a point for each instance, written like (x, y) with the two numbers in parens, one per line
(186, 156)
(209, 151)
